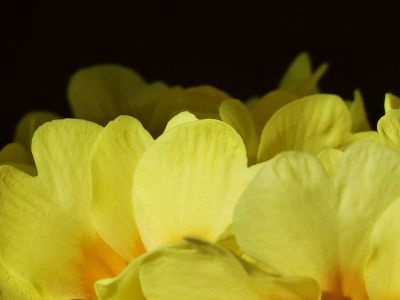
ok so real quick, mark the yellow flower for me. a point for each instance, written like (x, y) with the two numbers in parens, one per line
(299, 218)
(81, 219)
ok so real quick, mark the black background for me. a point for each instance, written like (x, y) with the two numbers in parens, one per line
(242, 48)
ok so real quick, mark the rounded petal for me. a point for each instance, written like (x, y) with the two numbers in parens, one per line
(28, 124)
(236, 114)
(187, 183)
(205, 271)
(181, 118)
(115, 156)
(330, 159)
(284, 218)
(100, 93)
(311, 124)
(382, 273)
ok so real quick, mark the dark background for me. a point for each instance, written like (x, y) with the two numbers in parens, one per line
(241, 48)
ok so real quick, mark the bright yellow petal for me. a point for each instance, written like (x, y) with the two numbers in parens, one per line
(389, 129)
(45, 228)
(359, 136)
(187, 183)
(236, 114)
(310, 124)
(269, 104)
(179, 119)
(382, 272)
(284, 219)
(28, 124)
(115, 156)
(391, 102)
(101, 93)
(330, 159)
(358, 114)
(204, 271)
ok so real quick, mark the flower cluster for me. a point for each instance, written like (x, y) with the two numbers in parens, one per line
(164, 192)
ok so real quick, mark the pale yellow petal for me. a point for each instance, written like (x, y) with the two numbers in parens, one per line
(299, 70)
(236, 114)
(284, 218)
(391, 102)
(311, 124)
(187, 183)
(16, 155)
(204, 271)
(115, 156)
(181, 118)
(382, 272)
(359, 136)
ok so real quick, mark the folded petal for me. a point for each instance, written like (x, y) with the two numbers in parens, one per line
(236, 114)
(311, 124)
(299, 70)
(187, 183)
(358, 114)
(391, 102)
(115, 156)
(205, 271)
(382, 270)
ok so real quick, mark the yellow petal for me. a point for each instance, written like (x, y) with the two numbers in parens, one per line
(236, 114)
(27, 126)
(382, 271)
(310, 124)
(16, 155)
(45, 228)
(358, 114)
(115, 156)
(299, 70)
(181, 118)
(101, 93)
(359, 136)
(202, 101)
(389, 129)
(187, 183)
(391, 102)
(330, 159)
(125, 286)
(269, 104)
(283, 219)
(204, 271)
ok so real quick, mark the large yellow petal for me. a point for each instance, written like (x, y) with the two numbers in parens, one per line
(100, 93)
(28, 124)
(389, 129)
(115, 156)
(382, 272)
(187, 183)
(45, 228)
(284, 218)
(311, 124)
(236, 114)
(204, 271)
